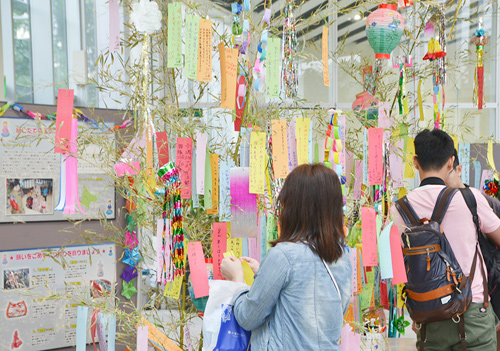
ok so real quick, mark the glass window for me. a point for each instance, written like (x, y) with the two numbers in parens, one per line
(22, 50)
(59, 44)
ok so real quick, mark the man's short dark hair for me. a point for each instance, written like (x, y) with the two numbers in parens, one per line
(433, 149)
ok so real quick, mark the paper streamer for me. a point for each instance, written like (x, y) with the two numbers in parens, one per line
(375, 156)
(384, 252)
(204, 51)
(219, 246)
(273, 60)
(292, 146)
(398, 266)
(324, 56)
(257, 182)
(142, 338)
(280, 148)
(191, 46)
(224, 190)
(162, 148)
(396, 164)
(198, 269)
(174, 35)
(464, 158)
(477, 174)
(114, 26)
(369, 236)
(184, 161)
(201, 148)
(244, 205)
(81, 328)
(302, 134)
(491, 159)
(365, 156)
(358, 179)
(63, 120)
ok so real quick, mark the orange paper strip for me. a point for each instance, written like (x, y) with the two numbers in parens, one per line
(230, 70)
(326, 71)
(280, 148)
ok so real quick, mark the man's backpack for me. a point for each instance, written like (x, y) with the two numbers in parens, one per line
(437, 289)
(490, 252)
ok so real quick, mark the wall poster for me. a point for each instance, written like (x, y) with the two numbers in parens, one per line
(30, 173)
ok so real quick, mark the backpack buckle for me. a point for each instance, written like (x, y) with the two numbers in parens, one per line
(456, 321)
(418, 326)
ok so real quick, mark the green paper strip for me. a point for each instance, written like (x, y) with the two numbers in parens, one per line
(191, 46)
(174, 35)
(316, 153)
(273, 60)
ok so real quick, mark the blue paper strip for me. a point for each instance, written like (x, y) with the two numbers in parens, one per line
(384, 252)
(111, 318)
(477, 174)
(225, 191)
(81, 328)
(245, 147)
(244, 250)
(464, 158)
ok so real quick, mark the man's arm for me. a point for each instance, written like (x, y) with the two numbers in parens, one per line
(489, 221)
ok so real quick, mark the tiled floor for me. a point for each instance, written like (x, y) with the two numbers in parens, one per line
(402, 344)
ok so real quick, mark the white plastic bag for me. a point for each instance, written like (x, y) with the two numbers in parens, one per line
(221, 292)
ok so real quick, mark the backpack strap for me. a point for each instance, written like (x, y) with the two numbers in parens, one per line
(442, 203)
(471, 202)
(407, 212)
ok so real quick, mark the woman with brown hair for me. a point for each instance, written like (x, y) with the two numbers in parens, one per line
(302, 289)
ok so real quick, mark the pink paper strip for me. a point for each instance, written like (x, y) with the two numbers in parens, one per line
(345, 337)
(159, 252)
(184, 161)
(375, 157)
(292, 146)
(101, 336)
(198, 269)
(114, 26)
(63, 120)
(349, 162)
(142, 338)
(252, 248)
(244, 205)
(369, 236)
(396, 164)
(131, 168)
(358, 180)
(219, 246)
(398, 266)
(162, 148)
(201, 148)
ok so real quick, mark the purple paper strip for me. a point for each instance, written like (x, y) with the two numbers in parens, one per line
(243, 205)
(292, 146)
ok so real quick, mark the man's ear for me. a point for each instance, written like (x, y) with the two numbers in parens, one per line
(459, 170)
(415, 163)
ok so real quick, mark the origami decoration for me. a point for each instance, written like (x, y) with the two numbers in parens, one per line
(129, 273)
(132, 257)
(128, 289)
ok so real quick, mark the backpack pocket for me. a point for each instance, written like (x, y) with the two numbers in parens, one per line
(422, 262)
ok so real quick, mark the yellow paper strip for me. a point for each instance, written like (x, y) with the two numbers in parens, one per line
(410, 153)
(302, 134)
(455, 140)
(280, 148)
(247, 272)
(173, 289)
(228, 254)
(235, 245)
(257, 162)
(491, 159)
(400, 302)
(204, 51)
(324, 47)
(420, 104)
(214, 162)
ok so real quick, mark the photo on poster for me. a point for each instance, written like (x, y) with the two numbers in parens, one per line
(100, 288)
(29, 196)
(16, 278)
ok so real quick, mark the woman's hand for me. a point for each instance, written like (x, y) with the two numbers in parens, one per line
(231, 269)
(253, 263)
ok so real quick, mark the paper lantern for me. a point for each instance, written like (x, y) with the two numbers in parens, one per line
(384, 28)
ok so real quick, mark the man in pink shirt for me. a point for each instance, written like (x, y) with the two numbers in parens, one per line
(434, 161)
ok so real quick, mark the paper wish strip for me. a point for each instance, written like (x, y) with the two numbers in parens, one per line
(205, 51)
(174, 35)
(229, 69)
(243, 205)
(369, 236)
(201, 148)
(219, 246)
(324, 56)
(191, 46)
(257, 163)
(162, 148)
(375, 156)
(302, 130)
(273, 60)
(280, 148)
(199, 274)
(183, 160)
(292, 146)
(214, 169)
(114, 25)
(63, 120)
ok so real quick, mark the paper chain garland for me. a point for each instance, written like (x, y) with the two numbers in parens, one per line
(289, 71)
(173, 209)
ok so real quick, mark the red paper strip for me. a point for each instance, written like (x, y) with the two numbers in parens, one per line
(375, 157)
(162, 147)
(384, 300)
(198, 269)
(398, 265)
(184, 161)
(219, 246)
(369, 236)
(480, 87)
(63, 120)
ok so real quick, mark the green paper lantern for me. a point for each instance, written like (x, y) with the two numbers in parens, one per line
(384, 28)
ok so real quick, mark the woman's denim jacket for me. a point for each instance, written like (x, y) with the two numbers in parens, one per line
(293, 303)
